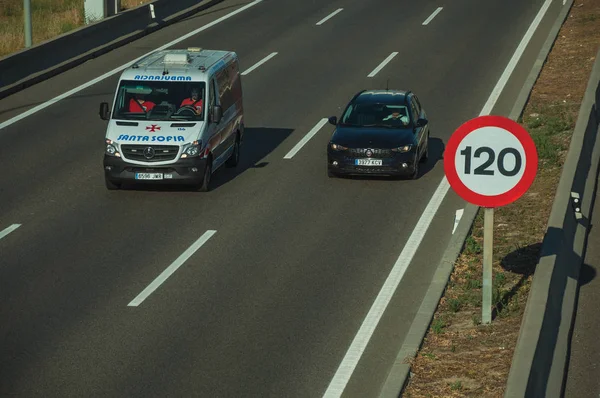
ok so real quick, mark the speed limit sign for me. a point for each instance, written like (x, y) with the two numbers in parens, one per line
(490, 161)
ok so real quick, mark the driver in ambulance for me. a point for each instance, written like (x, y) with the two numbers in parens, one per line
(194, 101)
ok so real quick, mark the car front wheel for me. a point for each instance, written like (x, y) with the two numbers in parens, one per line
(426, 153)
(415, 174)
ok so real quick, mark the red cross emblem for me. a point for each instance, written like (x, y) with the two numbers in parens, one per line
(152, 128)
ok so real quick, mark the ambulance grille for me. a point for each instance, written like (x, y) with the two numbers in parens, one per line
(150, 153)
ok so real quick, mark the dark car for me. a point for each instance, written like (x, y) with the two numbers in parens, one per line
(381, 132)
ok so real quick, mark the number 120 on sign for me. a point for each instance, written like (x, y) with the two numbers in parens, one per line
(484, 168)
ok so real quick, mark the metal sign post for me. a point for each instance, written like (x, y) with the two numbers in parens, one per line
(488, 249)
(27, 17)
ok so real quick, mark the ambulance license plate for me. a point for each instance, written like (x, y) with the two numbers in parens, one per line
(148, 176)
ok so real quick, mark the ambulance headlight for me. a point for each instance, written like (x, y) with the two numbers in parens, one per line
(192, 150)
(111, 149)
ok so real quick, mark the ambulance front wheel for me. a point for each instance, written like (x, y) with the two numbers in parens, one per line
(205, 185)
(111, 186)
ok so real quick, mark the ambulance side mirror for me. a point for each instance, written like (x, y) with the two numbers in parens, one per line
(217, 113)
(104, 112)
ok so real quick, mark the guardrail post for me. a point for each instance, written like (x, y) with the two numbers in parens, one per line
(27, 17)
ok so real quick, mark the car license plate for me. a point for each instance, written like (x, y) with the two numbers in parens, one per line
(368, 162)
(148, 176)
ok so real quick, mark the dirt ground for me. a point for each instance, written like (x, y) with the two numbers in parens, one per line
(459, 356)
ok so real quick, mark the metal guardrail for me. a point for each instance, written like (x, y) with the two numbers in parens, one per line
(42, 61)
(541, 354)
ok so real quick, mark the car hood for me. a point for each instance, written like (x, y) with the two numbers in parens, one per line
(367, 137)
(153, 132)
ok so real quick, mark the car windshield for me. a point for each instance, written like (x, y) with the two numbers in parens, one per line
(160, 100)
(376, 115)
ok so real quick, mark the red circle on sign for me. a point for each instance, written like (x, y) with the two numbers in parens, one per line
(531, 161)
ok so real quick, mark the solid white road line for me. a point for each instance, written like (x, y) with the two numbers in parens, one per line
(457, 217)
(329, 16)
(171, 269)
(357, 348)
(259, 63)
(364, 334)
(381, 65)
(120, 68)
(307, 137)
(8, 230)
(436, 12)
(515, 58)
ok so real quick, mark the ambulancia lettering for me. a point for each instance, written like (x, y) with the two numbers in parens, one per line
(159, 77)
(153, 138)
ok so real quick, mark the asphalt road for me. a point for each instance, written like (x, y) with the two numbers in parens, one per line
(584, 358)
(270, 303)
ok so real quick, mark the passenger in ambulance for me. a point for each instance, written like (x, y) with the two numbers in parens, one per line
(138, 104)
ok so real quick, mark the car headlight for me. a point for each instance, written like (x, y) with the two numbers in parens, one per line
(401, 149)
(192, 150)
(111, 149)
(337, 147)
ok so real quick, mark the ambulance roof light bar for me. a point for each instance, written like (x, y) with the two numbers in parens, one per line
(176, 59)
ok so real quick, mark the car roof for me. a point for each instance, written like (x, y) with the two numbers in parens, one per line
(382, 96)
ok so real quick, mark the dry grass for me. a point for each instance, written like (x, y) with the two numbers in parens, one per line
(460, 357)
(49, 18)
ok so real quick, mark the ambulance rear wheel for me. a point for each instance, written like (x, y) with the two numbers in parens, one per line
(234, 159)
(112, 186)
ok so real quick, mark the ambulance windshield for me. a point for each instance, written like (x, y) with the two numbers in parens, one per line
(160, 100)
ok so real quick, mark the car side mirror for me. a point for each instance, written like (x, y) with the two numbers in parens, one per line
(421, 122)
(104, 112)
(333, 120)
(217, 113)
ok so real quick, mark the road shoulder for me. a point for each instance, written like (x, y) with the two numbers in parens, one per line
(459, 356)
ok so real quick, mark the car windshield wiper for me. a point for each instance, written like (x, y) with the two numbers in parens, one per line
(387, 126)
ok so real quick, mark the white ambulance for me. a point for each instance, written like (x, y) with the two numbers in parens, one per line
(177, 117)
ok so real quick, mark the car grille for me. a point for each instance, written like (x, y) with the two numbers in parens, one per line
(161, 152)
(377, 153)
